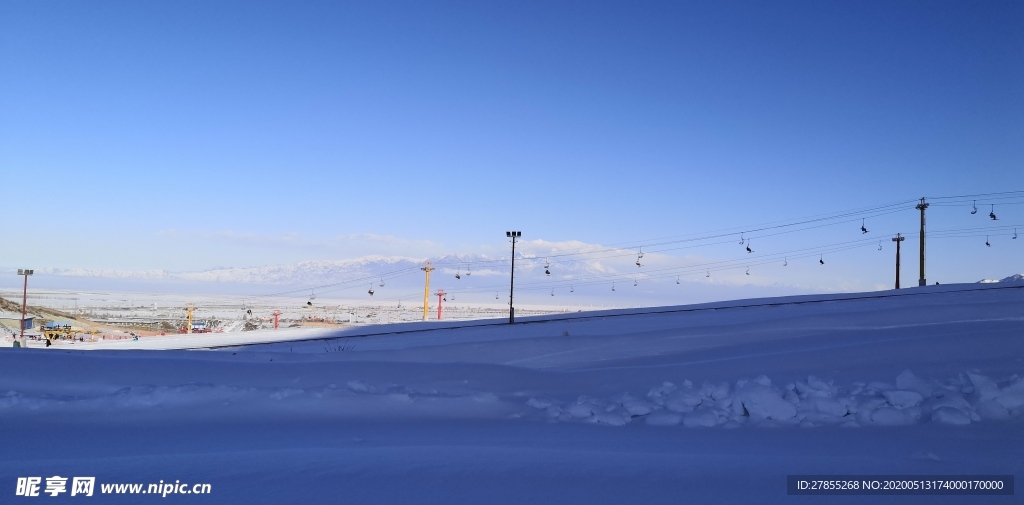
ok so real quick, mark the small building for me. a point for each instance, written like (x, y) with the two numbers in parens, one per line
(11, 321)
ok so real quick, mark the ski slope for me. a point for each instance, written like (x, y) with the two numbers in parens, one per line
(712, 403)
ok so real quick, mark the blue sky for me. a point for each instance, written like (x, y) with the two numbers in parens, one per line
(187, 135)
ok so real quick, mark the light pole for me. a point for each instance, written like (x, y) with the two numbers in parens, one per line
(512, 285)
(24, 300)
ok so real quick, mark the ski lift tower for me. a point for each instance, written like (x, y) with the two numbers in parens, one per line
(427, 267)
(24, 300)
(440, 296)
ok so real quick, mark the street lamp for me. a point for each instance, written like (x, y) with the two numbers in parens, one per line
(24, 299)
(511, 290)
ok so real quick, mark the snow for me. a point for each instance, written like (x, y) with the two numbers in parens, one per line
(708, 403)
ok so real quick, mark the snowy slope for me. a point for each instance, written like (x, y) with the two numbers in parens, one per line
(699, 404)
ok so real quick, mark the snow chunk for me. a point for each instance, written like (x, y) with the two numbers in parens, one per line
(984, 388)
(684, 400)
(663, 418)
(910, 382)
(358, 386)
(889, 416)
(991, 410)
(636, 406)
(700, 417)
(949, 415)
(763, 402)
(903, 399)
(540, 403)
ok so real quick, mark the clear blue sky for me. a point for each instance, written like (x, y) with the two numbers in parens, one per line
(185, 135)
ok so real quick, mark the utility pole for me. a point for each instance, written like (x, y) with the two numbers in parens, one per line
(24, 301)
(898, 238)
(512, 285)
(427, 267)
(921, 206)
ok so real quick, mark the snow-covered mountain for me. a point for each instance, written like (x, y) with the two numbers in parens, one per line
(329, 271)
(1012, 278)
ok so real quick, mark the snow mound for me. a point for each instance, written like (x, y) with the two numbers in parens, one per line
(969, 398)
(1012, 278)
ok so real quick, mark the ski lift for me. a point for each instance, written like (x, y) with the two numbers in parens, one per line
(749, 250)
(785, 261)
(992, 214)
(457, 276)
(677, 279)
(547, 268)
(613, 286)
(821, 260)
(495, 295)
(708, 274)
(641, 252)
(468, 272)
(863, 230)
(879, 245)
(634, 282)
(986, 242)
(381, 282)
(572, 289)
(1014, 234)
(552, 291)
(741, 238)
(309, 304)
(975, 205)
(371, 290)
(748, 270)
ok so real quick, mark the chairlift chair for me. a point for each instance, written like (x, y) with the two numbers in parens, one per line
(381, 282)
(677, 279)
(371, 290)
(863, 230)
(986, 242)
(748, 270)
(785, 262)
(992, 214)
(749, 250)
(1014, 234)
(457, 276)
(975, 209)
(821, 260)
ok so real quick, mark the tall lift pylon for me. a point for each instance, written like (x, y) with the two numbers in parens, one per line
(427, 267)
